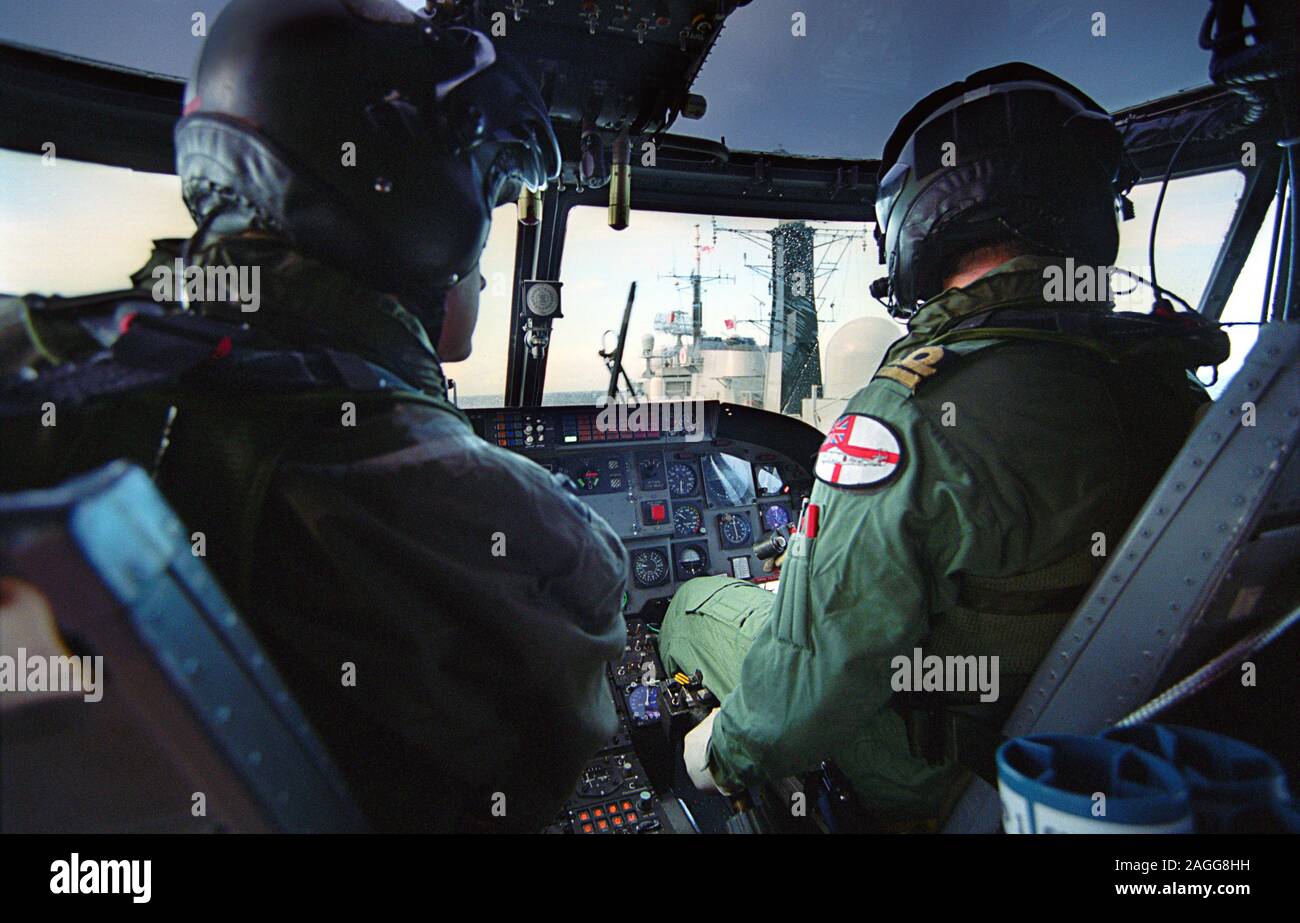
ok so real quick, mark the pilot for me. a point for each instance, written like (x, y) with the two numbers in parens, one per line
(442, 607)
(973, 489)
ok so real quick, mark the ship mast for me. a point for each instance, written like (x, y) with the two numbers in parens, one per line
(793, 268)
(697, 280)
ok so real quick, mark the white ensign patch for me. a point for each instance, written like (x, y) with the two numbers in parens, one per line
(859, 451)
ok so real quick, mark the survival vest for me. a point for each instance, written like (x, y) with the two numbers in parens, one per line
(1020, 616)
(193, 401)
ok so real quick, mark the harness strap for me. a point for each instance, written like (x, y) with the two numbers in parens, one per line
(1015, 619)
(1046, 590)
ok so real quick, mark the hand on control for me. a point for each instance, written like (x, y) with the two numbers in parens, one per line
(695, 752)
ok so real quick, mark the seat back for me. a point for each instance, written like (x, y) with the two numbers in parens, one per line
(1209, 559)
(188, 726)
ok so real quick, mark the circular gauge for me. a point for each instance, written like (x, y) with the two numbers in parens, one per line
(682, 481)
(691, 562)
(687, 520)
(775, 517)
(643, 703)
(599, 781)
(735, 529)
(649, 567)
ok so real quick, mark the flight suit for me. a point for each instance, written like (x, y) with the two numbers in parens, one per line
(965, 501)
(441, 607)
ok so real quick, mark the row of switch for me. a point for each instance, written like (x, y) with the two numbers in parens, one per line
(613, 816)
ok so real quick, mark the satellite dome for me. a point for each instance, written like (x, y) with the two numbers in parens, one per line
(854, 352)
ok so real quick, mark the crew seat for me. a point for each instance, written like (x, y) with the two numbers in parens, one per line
(1209, 561)
(193, 729)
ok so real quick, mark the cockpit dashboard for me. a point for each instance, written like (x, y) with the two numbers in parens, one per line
(689, 487)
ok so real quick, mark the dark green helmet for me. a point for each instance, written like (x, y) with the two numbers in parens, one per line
(367, 137)
(1012, 152)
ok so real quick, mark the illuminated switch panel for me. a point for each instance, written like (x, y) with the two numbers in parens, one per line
(617, 815)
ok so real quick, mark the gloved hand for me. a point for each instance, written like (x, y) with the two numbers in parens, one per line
(695, 752)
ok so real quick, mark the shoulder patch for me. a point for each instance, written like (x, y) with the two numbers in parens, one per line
(915, 367)
(859, 451)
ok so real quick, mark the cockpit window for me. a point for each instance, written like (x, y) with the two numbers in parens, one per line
(1245, 307)
(143, 35)
(72, 228)
(785, 318)
(792, 76)
(481, 379)
(1193, 221)
(156, 36)
(749, 352)
(55, 212)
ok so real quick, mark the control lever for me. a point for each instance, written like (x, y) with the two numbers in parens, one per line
(689, 693)
(684, 703)
(771, 550)
(674, 706)
(774, 545)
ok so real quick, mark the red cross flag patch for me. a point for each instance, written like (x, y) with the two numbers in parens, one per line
(859, 451)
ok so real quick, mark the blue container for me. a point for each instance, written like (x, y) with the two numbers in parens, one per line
(1223, 775)
(1064, 783)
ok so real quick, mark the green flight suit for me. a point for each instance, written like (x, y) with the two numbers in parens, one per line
(1013, 453)
(477, 600)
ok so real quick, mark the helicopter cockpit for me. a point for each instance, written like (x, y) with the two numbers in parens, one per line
(670, 329)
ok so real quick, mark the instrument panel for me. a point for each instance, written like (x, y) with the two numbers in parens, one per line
(689, 487)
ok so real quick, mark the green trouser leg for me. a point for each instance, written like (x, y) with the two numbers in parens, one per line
(710, 625)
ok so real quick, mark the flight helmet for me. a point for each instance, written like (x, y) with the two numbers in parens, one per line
(1011, 152)
(369, 138)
